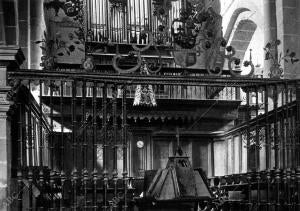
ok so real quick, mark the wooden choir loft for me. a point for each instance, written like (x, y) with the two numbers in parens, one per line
(144, 105)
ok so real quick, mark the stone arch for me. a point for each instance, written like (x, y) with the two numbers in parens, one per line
(242, 37)
(232, 21)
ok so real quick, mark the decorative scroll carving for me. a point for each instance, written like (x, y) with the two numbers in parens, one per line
(130, 70)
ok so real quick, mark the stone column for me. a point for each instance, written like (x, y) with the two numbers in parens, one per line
(288, 32)
(10, 57)
(24, 28)
(270, 29)
(37, 27)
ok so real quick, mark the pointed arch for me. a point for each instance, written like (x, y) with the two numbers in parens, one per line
(242, 37)
(233, 20)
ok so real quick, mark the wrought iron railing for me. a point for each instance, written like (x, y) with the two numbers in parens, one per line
(275, 189)
(73, 182)
(161, 92)
(263, 169)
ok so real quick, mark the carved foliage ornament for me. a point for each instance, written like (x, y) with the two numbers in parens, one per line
(56, 45)
(137, 53)
(276, 71)
(198, 31)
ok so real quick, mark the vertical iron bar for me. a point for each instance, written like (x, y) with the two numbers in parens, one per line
(275, 99)
(124, 126)
(95, 172)
(293, 189)
(287, 147)
(62, 147)
(29, 139)
(289, 130)
(297, 145)
(288, 192)
(115, 143)
(267, 128)
(276, 148)
(34, 140)
(105, 146)
(41, 151)
(248, 117)
(41, 141)
(51, 126)
(268, 148)
(292, 131)
(257, 147)
(286, 125)
(20, 156)
(52, 172)
(84, 138)
(74, 146)
(298, 188)
(284, 187)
